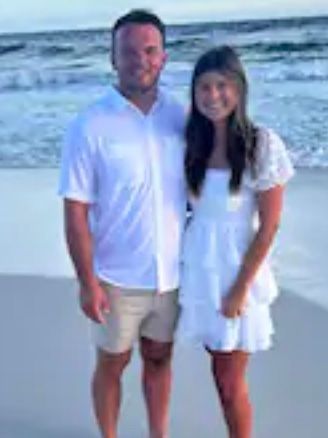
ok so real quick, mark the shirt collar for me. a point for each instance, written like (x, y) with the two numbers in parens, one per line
(118, 102)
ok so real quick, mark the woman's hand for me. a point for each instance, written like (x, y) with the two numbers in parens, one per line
(233, 304)
(269, 208)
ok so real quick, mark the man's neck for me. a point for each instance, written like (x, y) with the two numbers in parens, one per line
(143, 100)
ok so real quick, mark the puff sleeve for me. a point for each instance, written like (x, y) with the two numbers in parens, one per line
(273, 165)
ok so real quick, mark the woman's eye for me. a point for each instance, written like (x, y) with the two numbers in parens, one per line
(206, 87)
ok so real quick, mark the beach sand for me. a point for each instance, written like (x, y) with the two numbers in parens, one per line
(47, 360)
(32, 230)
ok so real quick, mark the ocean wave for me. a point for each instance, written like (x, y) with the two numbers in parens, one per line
(74, 65)
(298, 77)
(25, 81)
(55, 50)
(276, 24)
(46, 155)
(9, 48)
(311, 73)
(184, 46)
(286, 47)
(96, 49)
(193, 40)
(74, 52)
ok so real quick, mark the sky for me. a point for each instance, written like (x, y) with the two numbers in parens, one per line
(34, 15)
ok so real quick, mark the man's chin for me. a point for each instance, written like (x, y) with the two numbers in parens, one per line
(142, 86)
(148, 88)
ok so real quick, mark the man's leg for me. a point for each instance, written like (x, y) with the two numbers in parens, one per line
(106, 390)
(114, 341)
(157, 384)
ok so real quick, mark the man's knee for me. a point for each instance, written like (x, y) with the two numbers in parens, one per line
(156, 354)
(112, 364)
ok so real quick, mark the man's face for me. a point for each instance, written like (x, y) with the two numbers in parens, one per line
(138, 57)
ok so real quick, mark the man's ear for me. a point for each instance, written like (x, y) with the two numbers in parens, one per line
(165, 58)
(112, 58)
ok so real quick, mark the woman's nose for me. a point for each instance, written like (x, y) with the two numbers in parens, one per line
(213, 92)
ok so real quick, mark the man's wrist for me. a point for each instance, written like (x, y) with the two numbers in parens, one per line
(89, 284)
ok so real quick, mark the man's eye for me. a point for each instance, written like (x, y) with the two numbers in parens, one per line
(128, 52)
(151, 50)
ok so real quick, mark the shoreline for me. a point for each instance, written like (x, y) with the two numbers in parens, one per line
(34, 240)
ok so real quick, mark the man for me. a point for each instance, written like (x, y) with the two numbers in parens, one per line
(124, 201)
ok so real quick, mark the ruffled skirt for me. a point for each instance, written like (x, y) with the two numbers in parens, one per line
(202, 322)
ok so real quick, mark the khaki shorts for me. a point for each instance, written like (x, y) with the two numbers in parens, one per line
(134, 314)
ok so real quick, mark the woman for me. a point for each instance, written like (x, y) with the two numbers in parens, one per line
(236, 174)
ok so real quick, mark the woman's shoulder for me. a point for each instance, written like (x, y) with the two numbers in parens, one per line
(268, 140)
(272, 164)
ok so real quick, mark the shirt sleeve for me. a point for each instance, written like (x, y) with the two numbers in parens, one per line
(273, 165)
(77, 171)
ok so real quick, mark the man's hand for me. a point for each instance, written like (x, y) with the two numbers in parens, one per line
(94, 302)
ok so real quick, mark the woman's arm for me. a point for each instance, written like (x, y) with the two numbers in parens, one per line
(269, 206)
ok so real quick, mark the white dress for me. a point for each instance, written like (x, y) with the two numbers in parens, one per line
(215, 241)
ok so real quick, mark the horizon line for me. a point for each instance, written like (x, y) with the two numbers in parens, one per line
(95, 28)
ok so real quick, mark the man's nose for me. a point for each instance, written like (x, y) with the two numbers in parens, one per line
(140, 59)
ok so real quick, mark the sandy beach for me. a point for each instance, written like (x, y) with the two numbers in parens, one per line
(46, 363)
(46, 357)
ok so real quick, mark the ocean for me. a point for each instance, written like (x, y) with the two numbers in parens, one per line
(46, 78)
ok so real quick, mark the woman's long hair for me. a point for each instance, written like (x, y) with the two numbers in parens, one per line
(241, 133)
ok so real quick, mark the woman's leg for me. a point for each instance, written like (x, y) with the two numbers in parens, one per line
(229, 369)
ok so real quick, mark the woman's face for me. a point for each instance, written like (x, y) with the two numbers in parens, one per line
(216, 96)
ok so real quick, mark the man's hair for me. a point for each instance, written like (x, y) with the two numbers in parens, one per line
(139, 16)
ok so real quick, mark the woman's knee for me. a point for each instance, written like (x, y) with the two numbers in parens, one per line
(231, 387)
(230, 380)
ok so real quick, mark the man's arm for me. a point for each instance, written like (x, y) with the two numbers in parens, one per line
(79, 241)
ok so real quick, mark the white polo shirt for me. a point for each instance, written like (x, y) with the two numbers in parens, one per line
(129, 167)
